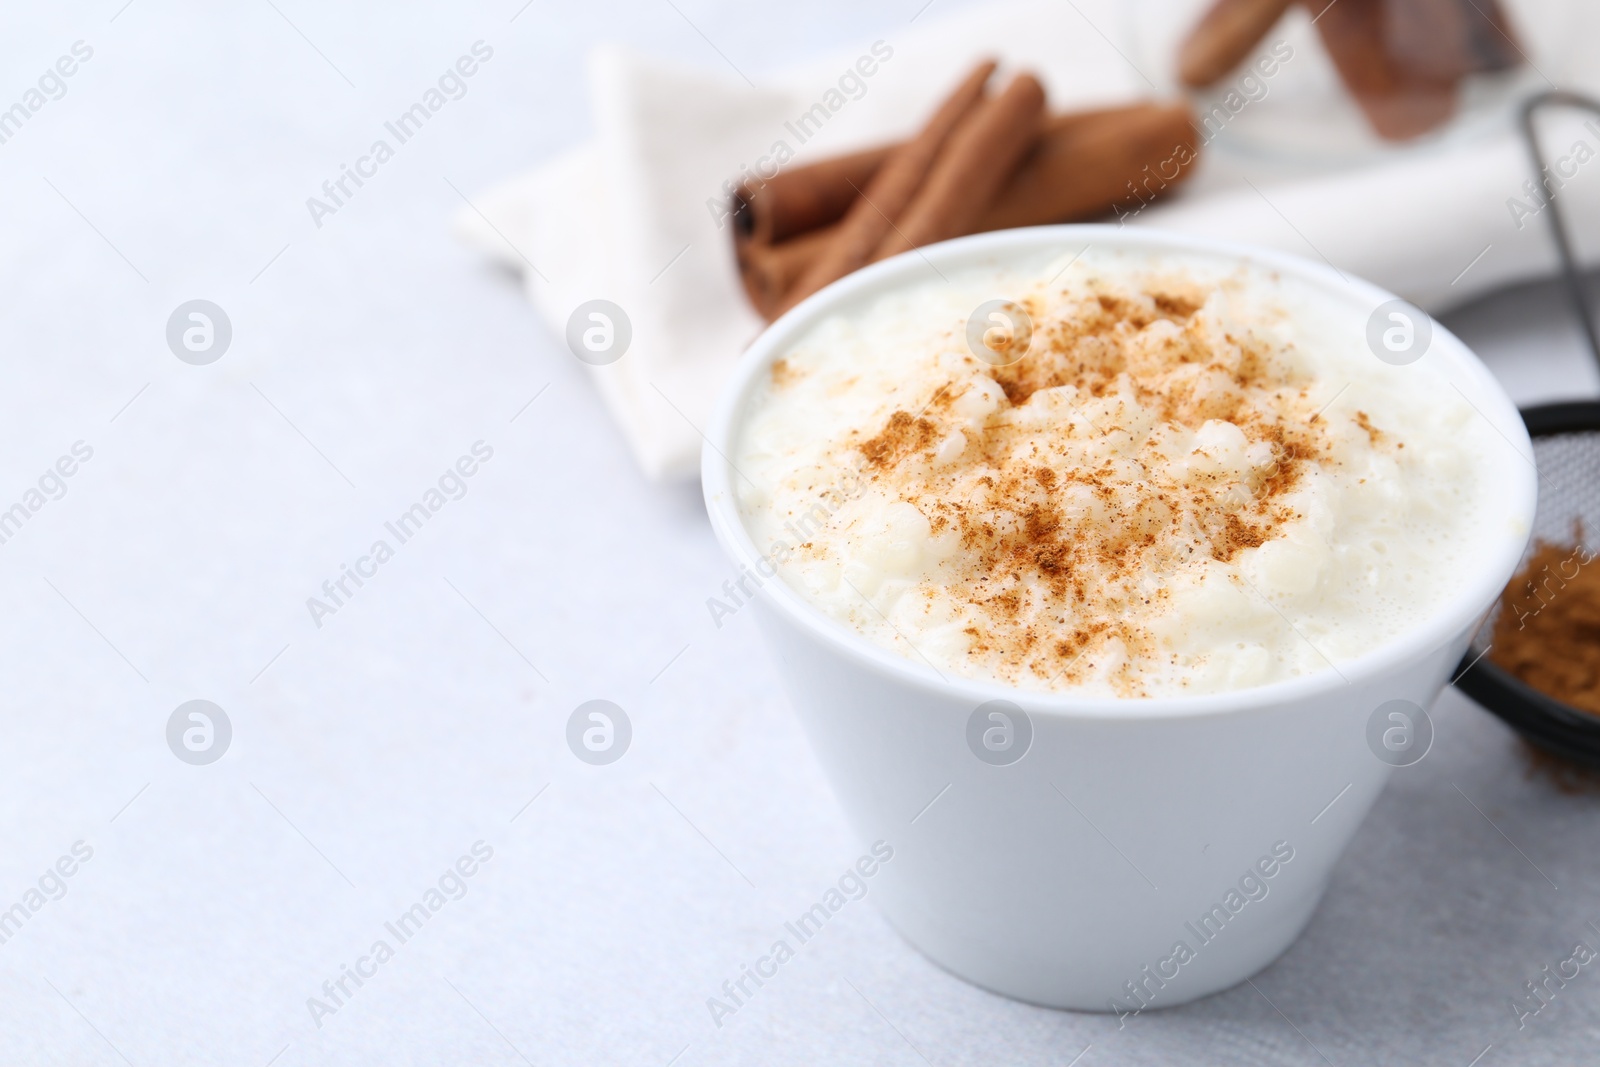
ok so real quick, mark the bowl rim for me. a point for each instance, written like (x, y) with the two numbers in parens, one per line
(1466, 603)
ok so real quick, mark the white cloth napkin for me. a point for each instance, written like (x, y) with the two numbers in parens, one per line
(632, 217)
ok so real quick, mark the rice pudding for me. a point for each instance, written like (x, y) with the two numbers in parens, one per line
(1171, 474)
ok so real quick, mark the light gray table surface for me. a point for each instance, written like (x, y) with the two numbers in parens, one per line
(427, 713)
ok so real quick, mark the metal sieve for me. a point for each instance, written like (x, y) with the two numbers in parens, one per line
(1566, 452)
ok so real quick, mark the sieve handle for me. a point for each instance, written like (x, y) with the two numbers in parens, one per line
(1558, 226)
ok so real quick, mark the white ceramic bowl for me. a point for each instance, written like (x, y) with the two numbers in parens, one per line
(1069, 878)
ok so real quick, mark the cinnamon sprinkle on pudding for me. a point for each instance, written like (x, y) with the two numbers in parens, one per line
(1195, 477)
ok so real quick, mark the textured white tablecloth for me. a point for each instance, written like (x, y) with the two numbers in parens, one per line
(368, 754)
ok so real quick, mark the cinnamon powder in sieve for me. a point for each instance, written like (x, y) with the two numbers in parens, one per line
(1548, 629)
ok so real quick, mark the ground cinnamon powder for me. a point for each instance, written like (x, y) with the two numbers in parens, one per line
(1548, 629)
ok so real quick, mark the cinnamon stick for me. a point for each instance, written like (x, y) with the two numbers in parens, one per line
(804, 198)
(1400, 102)
(1224, 37)
(1087, 163)
(897, 180)
(1064, 177)
(770, 271)
(1445, 40)
(980, 157)
(1083, 165)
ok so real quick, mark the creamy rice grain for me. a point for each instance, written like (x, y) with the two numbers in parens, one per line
(1196, 478)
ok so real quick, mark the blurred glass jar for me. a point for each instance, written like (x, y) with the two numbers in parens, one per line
(1429, 72)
